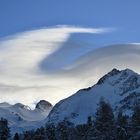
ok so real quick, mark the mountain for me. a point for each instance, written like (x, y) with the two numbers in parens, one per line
(21, 117)
(43, 105)
(120, 88)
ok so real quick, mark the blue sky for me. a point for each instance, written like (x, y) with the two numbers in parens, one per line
(40, 57)
(122, 15)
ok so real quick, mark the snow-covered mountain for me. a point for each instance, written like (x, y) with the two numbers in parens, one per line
(120, 88)
(21, 117)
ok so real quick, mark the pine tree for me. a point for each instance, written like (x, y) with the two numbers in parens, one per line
(91, 129)
(39, 134)
(135, 122)
(63, 129)
(51, 132)
(16, 137)
(4, 129)
(28, 135)
(104, 123)
(136, 118)
(90, 121)
(122, 124)
(80, 132)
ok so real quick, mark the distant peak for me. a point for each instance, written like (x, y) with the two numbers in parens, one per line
(5, 104)
(43, 105)
(20, 105)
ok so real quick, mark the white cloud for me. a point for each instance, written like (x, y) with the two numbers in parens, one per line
(95, 64)
(21, 78)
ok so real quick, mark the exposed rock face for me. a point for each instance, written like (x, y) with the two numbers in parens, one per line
(43, 105)
(107, 76)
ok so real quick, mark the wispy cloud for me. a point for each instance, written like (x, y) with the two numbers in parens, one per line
(21, 79)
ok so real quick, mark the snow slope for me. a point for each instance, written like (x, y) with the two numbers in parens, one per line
(120, 88)
(21, 117)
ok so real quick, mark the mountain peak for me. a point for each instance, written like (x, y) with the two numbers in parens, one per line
(110, 74)
(121, 88)
(116, 75)
(20, 105)
(43, 105)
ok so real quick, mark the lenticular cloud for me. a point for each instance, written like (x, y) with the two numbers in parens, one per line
(31, 66)
(21, 77)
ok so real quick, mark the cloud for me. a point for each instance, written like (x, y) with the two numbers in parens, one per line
(95, 64)
(21, 77)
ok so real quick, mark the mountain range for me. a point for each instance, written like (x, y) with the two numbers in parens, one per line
(121, 88)
(20, 117)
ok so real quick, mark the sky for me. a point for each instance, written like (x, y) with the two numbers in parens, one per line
(18, 16)
(50, 49)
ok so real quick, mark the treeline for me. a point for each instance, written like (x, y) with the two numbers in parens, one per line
(103, 126)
